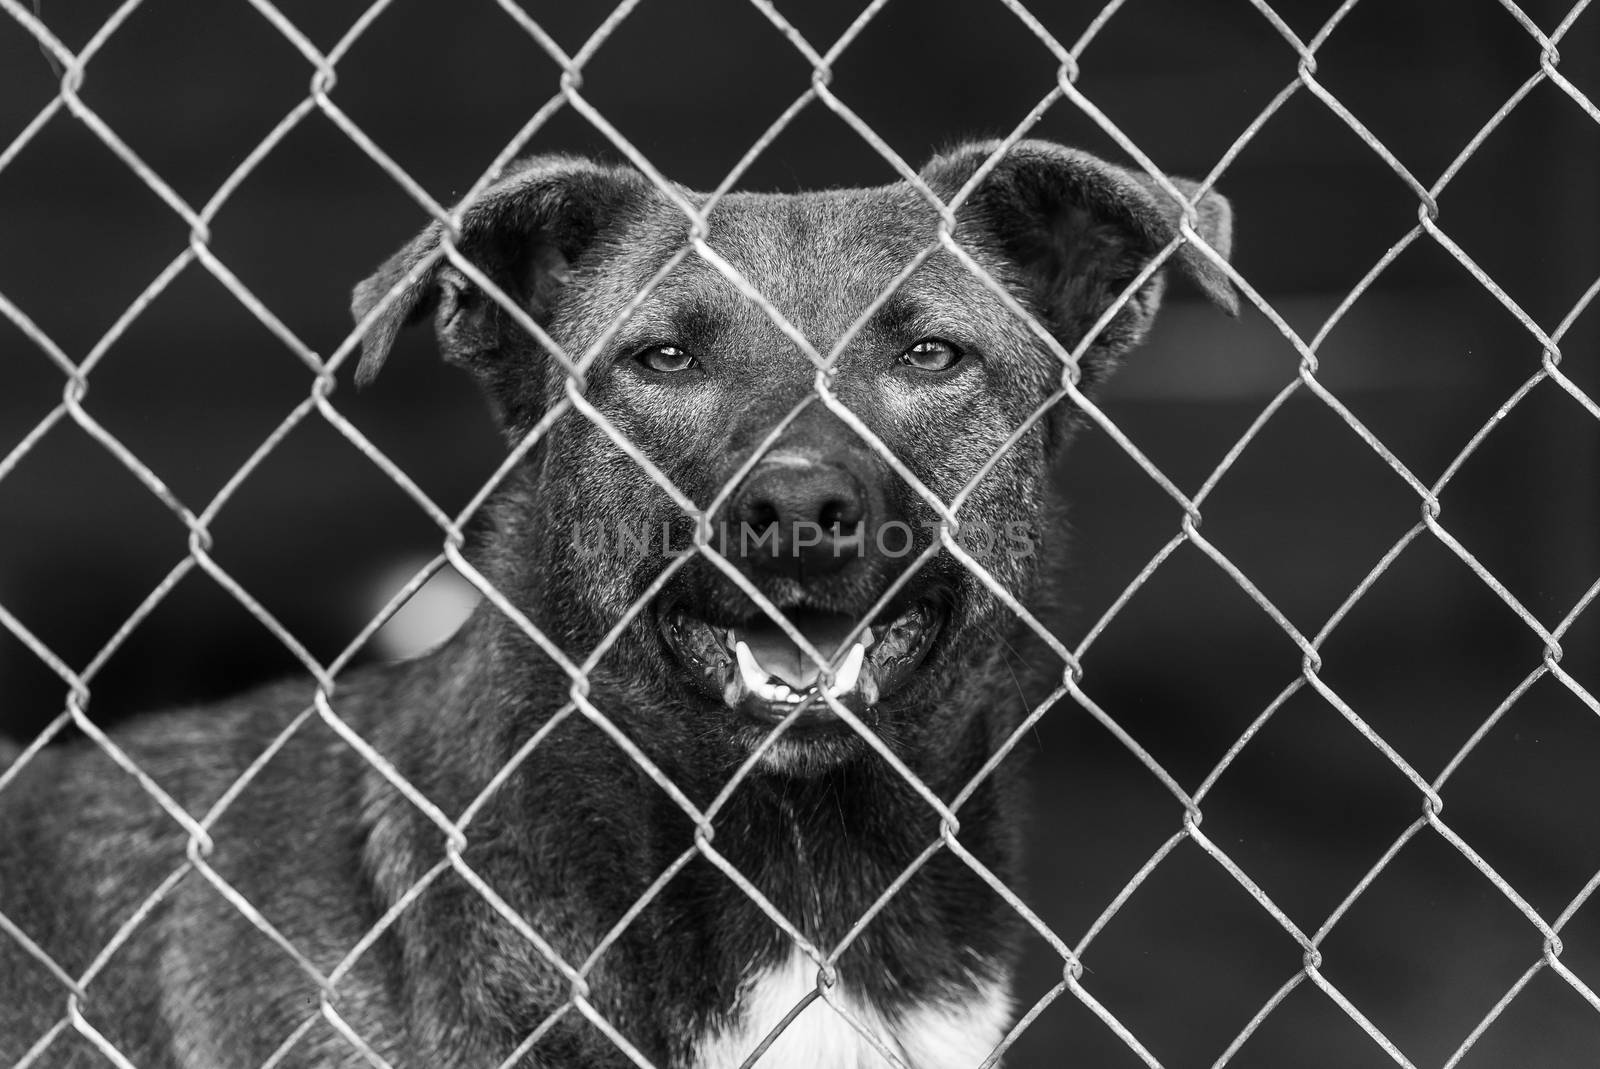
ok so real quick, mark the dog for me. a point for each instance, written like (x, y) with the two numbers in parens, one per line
(484, 856)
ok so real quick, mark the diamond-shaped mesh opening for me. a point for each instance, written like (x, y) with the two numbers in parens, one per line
(1409, 37)
(1308, 807)
(1427, 710)
(54, 258)
(1213, 682)
(1398, 950)
(932, 98)
(685, 99)
(1503, 249)
(394, 88)
(308, 199)
(240, 396)
(259, 543)
(46, 589)
(1226, 99)
(169, 51)
(1316, 612)
(1147, 963)
(1546, 424)
(1503, 787)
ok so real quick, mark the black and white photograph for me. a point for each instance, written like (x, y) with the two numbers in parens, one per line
(799, 534)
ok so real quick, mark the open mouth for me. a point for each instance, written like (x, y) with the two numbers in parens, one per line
(755, 667)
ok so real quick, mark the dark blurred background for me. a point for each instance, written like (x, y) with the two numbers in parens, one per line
(1424, 359)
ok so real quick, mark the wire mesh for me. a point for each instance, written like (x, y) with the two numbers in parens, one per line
(1544, 931)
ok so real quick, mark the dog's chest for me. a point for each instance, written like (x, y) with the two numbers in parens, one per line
(942, 1035)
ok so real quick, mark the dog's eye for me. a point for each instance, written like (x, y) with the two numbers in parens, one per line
(667, 359)
(932, 354)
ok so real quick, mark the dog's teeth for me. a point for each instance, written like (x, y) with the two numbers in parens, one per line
(844, 681)
(755, 677)
(758, 682)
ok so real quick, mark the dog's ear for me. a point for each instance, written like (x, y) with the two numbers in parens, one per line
(524, 233)
(1080, 230)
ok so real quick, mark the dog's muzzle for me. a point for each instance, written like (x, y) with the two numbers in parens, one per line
(805, 526)
(757, 668)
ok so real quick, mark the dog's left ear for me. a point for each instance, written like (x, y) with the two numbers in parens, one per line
(1080, 230)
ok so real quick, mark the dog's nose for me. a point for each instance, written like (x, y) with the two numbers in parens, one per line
(799, 518)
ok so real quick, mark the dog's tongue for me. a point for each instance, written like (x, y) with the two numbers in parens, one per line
(779, 656)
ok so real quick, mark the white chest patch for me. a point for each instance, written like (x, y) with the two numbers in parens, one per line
(941, 1035)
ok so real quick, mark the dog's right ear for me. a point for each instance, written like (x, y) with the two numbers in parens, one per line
(525, 233)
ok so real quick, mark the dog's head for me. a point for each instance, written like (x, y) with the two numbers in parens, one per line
(937, 390)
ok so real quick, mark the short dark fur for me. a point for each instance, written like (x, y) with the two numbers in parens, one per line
(321, 844)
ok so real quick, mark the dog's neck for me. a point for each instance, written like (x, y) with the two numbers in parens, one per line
(580, 820)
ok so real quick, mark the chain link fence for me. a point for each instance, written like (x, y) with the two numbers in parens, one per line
(1546, 953)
